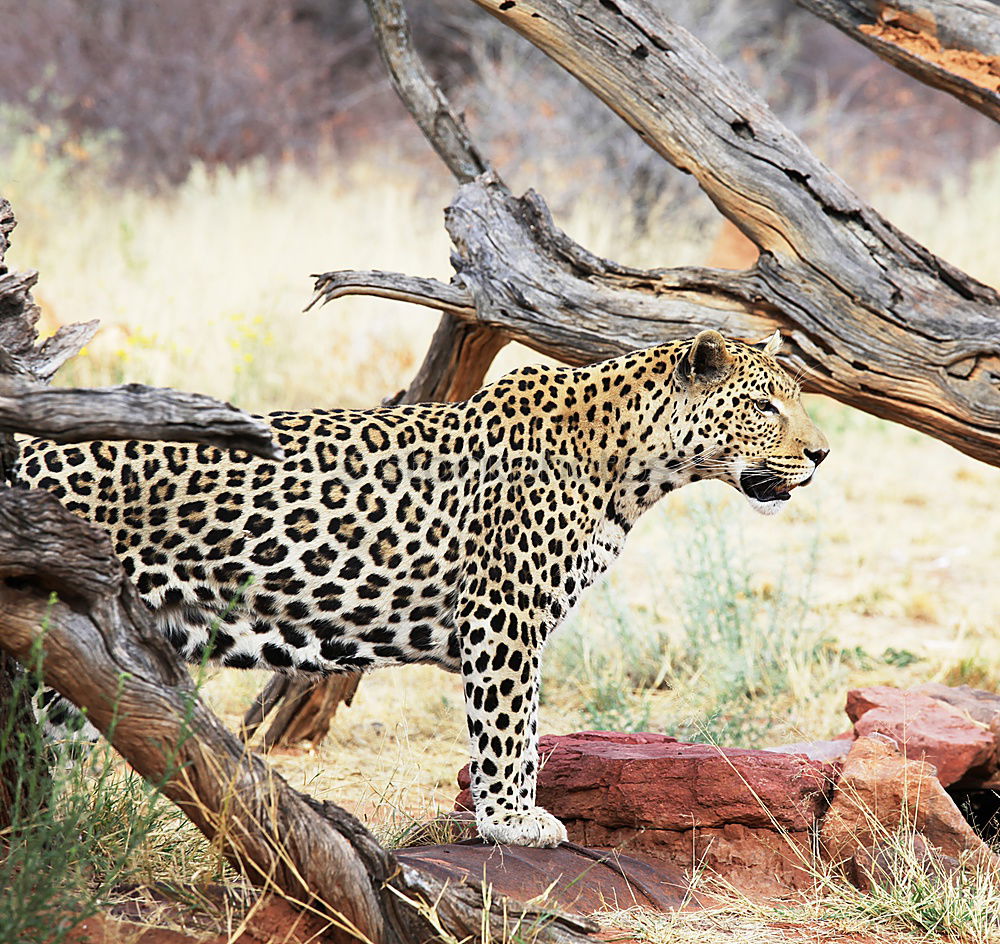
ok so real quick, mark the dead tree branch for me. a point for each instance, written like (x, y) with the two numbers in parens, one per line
(460, 353)
(102, 652)
(442, 126)
(952, 45)
(402, 288)
(872, 318)
(132, 411)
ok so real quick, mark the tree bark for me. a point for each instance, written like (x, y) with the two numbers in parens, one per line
(952, 45)
(870, 317)
(131, 411)
(103, 653)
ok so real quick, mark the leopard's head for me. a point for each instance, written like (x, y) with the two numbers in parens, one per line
(742, 420)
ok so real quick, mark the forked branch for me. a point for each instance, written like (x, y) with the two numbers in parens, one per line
(871, 317)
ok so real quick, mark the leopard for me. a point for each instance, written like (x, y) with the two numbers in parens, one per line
(456, 534)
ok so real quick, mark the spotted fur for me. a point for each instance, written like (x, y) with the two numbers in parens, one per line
(454, 534)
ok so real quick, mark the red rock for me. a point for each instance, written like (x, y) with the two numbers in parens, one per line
(879, 793)
(271, 921)
(981, 706)
(760, 862)
(101, 929)
(924, 728)
(746, 814)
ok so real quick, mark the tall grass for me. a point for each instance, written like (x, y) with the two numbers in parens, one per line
(914, 888)
(746, 644)
(714, 652)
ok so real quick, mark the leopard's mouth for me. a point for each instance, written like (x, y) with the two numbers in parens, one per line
(763, 485)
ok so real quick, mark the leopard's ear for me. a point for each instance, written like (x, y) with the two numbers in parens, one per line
(707, 361)
(771, 345)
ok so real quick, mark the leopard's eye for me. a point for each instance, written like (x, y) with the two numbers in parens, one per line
(765, 406)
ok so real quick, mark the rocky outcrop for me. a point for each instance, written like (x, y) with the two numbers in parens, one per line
(745, 814)
(881, 795)
(924, 728)
(752, 817)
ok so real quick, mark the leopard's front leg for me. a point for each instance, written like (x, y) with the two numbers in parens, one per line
(500, 671)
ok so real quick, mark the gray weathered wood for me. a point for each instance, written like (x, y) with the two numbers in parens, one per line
(460, 353)
(131, 411)
(444, 128)
(403, 288)
(893, 29)
(870, 317)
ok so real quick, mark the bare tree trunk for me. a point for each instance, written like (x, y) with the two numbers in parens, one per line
(953, 45)
(22, 360)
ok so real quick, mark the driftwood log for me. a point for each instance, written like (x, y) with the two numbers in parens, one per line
(870, 317)
(953, 45)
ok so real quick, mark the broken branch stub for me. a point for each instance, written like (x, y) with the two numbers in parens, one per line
(952, 45)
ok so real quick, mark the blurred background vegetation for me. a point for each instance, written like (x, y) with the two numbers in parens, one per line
(179, 169)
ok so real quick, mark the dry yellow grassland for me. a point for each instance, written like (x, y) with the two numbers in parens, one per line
(203, 289)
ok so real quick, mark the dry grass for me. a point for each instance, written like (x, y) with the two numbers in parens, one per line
(204, 288)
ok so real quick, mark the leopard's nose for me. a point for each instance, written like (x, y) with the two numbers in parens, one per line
(817, 455)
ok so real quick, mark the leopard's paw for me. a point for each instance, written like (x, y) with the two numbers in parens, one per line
(534, 827)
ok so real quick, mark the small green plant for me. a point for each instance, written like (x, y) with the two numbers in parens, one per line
(79, 825)
(744, 647)
(900, 658)
(611, 705)
(613, 667)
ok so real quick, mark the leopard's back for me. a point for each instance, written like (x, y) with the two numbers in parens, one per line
(344, 556)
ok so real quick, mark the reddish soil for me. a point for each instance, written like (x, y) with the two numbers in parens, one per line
(274, 922)
(279, 919)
